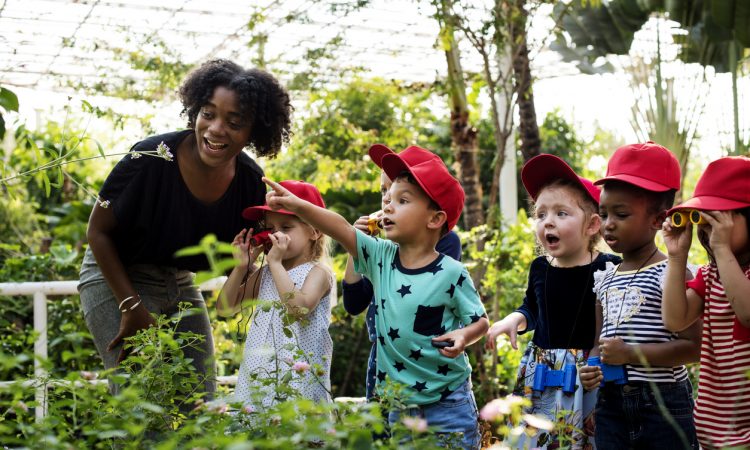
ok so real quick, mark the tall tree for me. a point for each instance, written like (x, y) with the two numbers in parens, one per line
(463, 133)
(529, 130)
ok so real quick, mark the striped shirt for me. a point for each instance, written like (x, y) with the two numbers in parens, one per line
(631, 304)
(722, 411)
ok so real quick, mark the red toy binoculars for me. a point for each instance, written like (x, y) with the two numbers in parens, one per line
(261, 238)
(680, 218)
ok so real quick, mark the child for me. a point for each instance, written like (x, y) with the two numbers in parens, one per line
(298, 283)
(720, 294)
(424, 299)
(652, 408)
(559, 303)
(357, 290)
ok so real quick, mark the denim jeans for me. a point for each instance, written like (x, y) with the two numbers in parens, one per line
(631, 416)
(161, 289)
(457, 413)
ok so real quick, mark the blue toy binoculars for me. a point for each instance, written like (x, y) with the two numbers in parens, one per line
(610, 372)
(680, 218)
(544, 377)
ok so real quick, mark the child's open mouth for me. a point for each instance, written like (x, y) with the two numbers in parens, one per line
(551, 239)
(387, 223)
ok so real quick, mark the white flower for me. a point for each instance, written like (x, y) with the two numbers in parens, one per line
(135, 155)
(104, 203)
(164, 152)
(87, 375)
(540, 423)
(417, 424)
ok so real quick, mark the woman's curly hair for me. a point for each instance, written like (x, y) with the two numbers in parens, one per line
(261, 99)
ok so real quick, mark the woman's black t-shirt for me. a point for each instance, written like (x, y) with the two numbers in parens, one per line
(156, 213)
(560, 303)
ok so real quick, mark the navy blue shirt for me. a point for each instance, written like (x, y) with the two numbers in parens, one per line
(560, 303)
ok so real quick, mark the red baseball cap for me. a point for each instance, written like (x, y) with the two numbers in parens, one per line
(429, 171)
(301, 189)
(412, 154)
(724, 185)
(545, 168)
(649, 166)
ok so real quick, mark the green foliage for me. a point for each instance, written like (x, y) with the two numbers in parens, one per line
(331, 147)
(8, 102)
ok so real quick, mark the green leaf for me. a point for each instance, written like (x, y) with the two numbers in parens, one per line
(190, 251)
(2, 127)
(8, 100)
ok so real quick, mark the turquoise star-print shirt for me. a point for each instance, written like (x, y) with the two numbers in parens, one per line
(413, 306)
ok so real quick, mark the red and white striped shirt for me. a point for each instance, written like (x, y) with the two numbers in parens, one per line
(722, 411)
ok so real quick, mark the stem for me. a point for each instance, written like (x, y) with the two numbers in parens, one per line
(735, 105)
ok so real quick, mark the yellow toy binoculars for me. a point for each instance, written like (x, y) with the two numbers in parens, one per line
(680, 218)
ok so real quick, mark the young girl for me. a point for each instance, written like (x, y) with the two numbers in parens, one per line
(300, 287)
(651, 408)
(720, 294)
(559, 302)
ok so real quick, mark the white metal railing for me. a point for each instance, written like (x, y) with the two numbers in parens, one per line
(40, 290)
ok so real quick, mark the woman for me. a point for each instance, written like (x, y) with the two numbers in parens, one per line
(150, 207)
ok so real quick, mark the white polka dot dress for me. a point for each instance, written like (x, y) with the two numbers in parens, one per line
(269, 355)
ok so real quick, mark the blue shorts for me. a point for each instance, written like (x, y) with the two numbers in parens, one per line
(455, 414)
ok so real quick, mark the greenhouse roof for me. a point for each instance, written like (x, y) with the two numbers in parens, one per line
(58, 44)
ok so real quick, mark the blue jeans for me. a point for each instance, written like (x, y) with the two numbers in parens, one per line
(630, 417)
(455, 414)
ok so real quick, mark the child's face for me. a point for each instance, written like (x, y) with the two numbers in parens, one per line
(562, 226)
(301, 235)
(385, 184)
(627, 224)
(406, 211)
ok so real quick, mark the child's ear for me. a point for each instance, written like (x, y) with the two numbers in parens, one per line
(594, 225)
(315, 234)
(658, 219)
(437, 220)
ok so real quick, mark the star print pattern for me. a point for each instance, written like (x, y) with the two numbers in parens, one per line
(405, 289)
(412, 306)
(393, 334)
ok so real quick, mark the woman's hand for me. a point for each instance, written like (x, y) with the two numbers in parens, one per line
(130, 323)
(280, 242)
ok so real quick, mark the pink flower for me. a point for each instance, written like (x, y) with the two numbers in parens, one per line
(300, 367)
(248, 409)
(416, 424)
(87, 375)
(500, 407)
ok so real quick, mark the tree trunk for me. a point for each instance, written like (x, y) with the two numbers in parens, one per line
(529, 130)
(463, 134)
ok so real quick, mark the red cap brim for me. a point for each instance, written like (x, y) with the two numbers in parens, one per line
(542, 169)
(257, 212)
(709, 203)
(636, 181)
(377, 152)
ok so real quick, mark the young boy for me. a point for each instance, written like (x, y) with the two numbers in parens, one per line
(425, 300)
(653, 408)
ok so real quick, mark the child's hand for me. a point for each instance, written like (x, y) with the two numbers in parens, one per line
(280, 242)
(279, 197)
(591, 377)
(720, 233)
(509, 326)
(615, 351)
(677, 239)
(459, 343)
(244, 251)
(361, 224)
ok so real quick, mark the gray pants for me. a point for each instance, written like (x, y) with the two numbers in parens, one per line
(161, 289)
